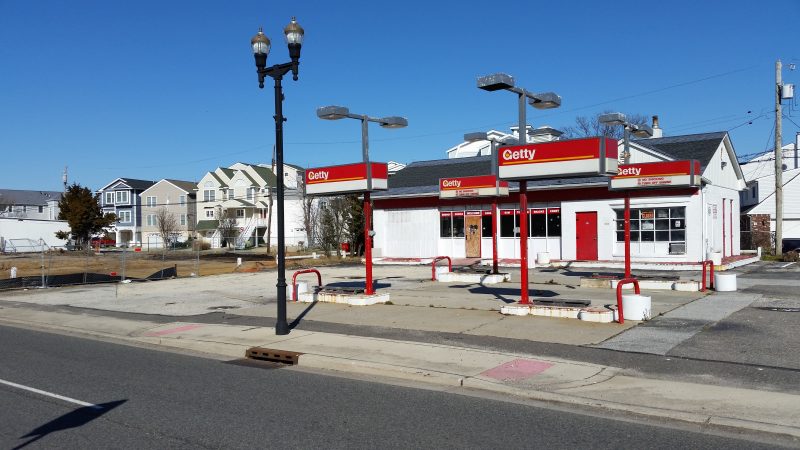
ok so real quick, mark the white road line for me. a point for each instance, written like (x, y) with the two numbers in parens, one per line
(50, 394)
(787, 265)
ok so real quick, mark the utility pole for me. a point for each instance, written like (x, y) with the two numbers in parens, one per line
(778, 162)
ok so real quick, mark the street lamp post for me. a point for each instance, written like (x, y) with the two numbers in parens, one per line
(545, 100)
(639, 131)
(341, 112)
(494, 143)
(261, 46)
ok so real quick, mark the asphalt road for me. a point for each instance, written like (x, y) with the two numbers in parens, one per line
(152, 399)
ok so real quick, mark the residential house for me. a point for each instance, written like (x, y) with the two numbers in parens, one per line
(176, 198)
(242, 193)
(41, 205)
(121, 197)
(758, 200)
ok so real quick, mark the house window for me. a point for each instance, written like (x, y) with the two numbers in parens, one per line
(124, 216)
(24, 208)
(654, 225)
(239, 213)
(151, 220)
(122, 197)
(41, 209)
(251, 193)
(209, 195)
(109, 198)
(183, 219)
(210, 213)
(182, 199)
(151, 201)
(230, 194)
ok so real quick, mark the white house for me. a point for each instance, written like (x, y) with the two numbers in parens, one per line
(758, 200)
(242, 192)
(410, 220)
(26, 217)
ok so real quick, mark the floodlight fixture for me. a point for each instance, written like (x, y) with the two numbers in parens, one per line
(393, 122)
(545, 100)
(333, 112)
(496, 82)
(613, 119)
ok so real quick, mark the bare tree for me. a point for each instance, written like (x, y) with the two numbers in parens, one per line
(586, 126)
(167, 226)
(332, 221)
(311, 215)
(228, 228)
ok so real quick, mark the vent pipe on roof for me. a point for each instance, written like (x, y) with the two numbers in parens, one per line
(657, 132)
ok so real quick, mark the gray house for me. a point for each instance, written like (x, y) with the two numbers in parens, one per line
(19, 204)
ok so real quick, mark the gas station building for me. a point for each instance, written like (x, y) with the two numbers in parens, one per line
(571, 219)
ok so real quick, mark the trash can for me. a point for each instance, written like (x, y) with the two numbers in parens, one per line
(346, 246)
(725, 282)
(636, 307)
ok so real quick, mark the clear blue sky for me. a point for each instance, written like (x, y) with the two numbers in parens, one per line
(157, 89)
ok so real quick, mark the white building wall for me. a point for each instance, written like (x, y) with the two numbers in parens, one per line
(34, 230)
(407, 232)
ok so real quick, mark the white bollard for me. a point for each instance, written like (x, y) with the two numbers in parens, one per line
(13, 272)
(543, 258)
(725, 282)
(715, 257)
(636, 307)
(238, 262)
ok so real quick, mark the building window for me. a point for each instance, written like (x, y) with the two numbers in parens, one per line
(151, 201)
(486, 224)
(239, 213)
(508, 223)
(251, 193)
(182, 199)
(446, 224)
(654, 225)
(24, 208)
(230, 194)
(183, 219)
(124, 216)
(109, 198)
(151, 220)
(553, 222)
(122, 198)
(210, 213)
(209, 195)
(41, 209)
(537, 224)
(458, 224)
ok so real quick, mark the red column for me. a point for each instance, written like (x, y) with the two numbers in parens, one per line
(494, 235)
(523, 242)
(368, 244)
(627, 235)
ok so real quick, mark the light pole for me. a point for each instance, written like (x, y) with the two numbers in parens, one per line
(341, 112)
(619, 119)
(261, 45)
(545, 100)
(494, 143)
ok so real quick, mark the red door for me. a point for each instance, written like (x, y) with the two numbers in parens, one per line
(586, 236)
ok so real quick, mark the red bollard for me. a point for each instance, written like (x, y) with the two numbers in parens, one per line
(294, 280)
(433, 266)
(622, 282)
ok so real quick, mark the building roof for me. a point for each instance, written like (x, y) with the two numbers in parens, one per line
(701, 147)
(20, 197)
(266, 174)
(422, 177)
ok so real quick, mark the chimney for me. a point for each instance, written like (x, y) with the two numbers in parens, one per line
(657, 132)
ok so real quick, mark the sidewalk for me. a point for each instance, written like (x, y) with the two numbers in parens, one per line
(518, 374)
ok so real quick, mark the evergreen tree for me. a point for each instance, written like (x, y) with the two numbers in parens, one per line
(82, 212)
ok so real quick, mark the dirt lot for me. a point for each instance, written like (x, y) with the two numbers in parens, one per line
(143, 264)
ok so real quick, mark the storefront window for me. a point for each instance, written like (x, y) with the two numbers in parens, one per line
(486, 224)
(507, 223)
(445, 225)
(554, 222)
(458, 224)
(654, 225)
(538, 223)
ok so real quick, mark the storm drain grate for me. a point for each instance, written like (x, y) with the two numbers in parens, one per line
(268, 354)
(770, 308)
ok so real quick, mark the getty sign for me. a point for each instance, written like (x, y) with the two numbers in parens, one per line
(573, 157)
(346, 178)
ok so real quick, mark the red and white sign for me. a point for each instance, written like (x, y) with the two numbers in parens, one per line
(479, 186)
(346, 178)
(574, 157)
(656, 175)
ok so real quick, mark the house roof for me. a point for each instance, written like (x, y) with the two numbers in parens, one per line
(266, 174)
(20, 197)
(187, 186)
(207, 225)
(701, 147)
(219, 180)
(133, 183)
